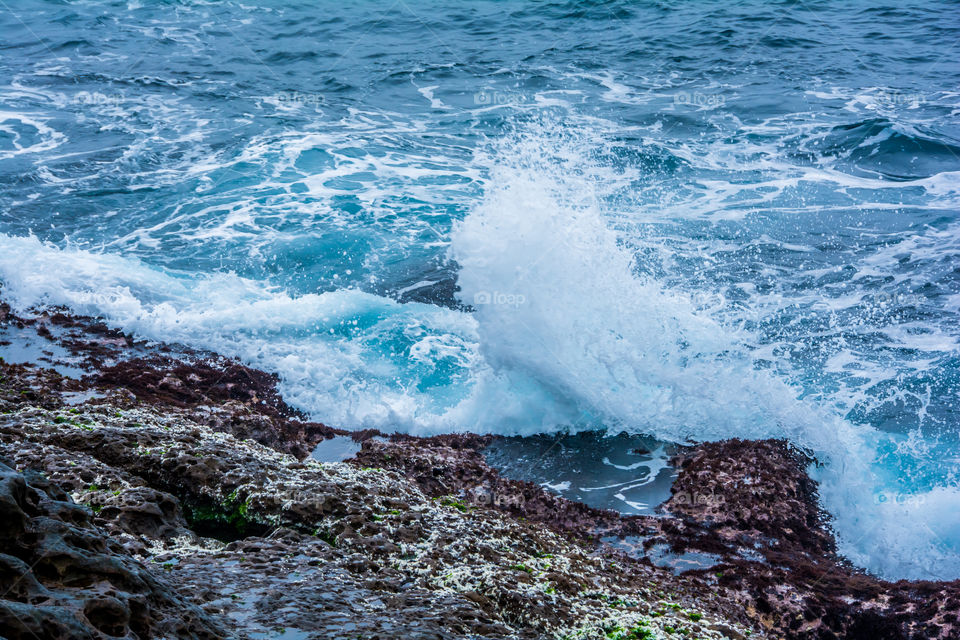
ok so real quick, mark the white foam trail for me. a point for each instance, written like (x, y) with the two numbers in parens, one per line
(27, 135)
(346, 357)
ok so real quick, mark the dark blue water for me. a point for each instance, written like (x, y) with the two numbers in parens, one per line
(693, 220)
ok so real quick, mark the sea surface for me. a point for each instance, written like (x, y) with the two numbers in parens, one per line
(684, 220)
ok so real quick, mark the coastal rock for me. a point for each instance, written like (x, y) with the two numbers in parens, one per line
(335, 550)
(209, 482)
(747, 510)
(61, 577)
(754, 493)
(225, 395)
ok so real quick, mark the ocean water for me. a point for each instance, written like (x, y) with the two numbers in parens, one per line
(691, 220)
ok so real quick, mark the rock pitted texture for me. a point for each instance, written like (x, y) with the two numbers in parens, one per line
(262, 541)
(748, 507)
(761, 505)
(62, 578)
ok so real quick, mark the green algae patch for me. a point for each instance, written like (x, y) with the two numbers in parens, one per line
(227, 521)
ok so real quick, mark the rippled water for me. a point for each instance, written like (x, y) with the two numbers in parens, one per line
(690, 220)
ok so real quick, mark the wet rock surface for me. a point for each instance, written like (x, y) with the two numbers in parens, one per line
(194, 475)
(62, 578)
(260, 540)
(746, 512)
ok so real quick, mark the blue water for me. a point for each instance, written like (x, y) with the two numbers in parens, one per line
(694, 220)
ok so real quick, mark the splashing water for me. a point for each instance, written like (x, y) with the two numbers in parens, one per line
(562, 303)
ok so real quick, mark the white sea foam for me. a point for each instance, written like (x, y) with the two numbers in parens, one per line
(27, 135)
(642, 358)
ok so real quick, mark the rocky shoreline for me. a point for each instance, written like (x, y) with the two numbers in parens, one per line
(170, 494)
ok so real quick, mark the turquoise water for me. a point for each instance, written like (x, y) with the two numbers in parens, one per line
(692, 220)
